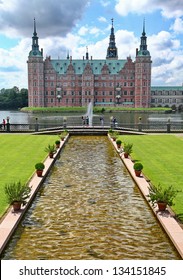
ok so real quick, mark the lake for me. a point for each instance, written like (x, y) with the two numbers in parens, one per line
(17, 117)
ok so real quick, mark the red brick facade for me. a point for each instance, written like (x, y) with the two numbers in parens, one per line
(76, 82)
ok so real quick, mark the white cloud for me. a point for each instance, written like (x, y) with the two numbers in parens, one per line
(83, 31)
(177, 26)
(167, 59)
(124, 7)
(126, 43)
(105, 3)
(95, 31)
(169, 9)
(102, 19)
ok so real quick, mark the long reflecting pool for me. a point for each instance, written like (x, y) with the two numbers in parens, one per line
(89, 208)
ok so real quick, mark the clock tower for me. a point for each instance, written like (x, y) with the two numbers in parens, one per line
(112, 51)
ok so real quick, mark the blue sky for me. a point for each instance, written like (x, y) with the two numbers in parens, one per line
(64, 25)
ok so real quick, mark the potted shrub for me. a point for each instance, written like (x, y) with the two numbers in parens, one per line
(127, 149)
(113, 134)
(118, 143)
(110, 131)
(63, 134)
(50, 149)
(39, 168)
(57, 143)
(138, 168)
(162, 196)
(17, 194)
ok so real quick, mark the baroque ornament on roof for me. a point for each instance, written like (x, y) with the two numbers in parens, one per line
(77, 82)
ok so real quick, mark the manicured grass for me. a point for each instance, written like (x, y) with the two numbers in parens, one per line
(162, 158)
(95, 109)
(18, 156)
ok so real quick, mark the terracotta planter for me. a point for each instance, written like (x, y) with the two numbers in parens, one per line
(118, 146)
(17, 205)
(51, 155)
(57, 146)
(39, 173)
(137, 173)
(162, 206)
(126, 155)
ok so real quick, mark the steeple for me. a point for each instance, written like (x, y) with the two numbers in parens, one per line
(143, 45)
(87, 55)
(35, 33)
(35, 46)
(112, 52)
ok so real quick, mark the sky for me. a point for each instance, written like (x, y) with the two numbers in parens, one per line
(72, 25)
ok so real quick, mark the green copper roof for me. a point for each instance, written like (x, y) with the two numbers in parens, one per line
(35, 53)
(143, 53)
(61, 65)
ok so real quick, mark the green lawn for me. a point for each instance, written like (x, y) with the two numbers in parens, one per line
(162, 158)
(18, 156)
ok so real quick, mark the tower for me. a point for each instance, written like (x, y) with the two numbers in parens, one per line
(112, 51)
(35, 73)
(143, 73)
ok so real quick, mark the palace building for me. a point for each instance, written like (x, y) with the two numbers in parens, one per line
(104, 82)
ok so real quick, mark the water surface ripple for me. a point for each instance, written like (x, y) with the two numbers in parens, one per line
(89, 208)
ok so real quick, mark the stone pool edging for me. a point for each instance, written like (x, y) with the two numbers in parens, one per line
(166, 218)
(11, 219)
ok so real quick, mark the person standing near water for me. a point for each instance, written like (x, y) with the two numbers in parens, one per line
(4, 124)
(102, 121)
(87, 121)
(83, 120)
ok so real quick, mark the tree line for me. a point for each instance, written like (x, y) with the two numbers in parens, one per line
(13, 98)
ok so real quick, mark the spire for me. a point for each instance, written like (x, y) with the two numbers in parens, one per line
(112, 51)
(35, 46)
(35, 33)
(143, 45)
(143, 32)
(87, 55)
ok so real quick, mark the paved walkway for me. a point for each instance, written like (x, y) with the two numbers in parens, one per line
(11, 219)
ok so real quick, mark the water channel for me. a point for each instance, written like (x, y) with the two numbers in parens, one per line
(89, 209)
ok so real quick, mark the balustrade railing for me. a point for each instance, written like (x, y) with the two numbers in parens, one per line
(174, 127)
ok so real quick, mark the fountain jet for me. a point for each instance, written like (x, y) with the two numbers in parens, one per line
(89, 113)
